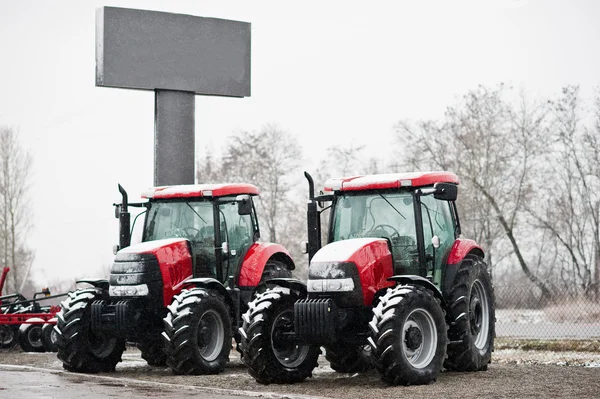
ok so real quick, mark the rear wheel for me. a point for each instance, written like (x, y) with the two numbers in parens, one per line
(79, 347)
(271, 354)
(197, 332)
(408, 336)
(8, 335)
(49, 337)
(472, 317)
(30, 337)
(345, 358)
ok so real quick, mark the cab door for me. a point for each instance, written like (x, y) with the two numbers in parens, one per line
(437, 222)
(236, 234)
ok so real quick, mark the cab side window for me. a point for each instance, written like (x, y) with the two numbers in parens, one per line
(437, 221)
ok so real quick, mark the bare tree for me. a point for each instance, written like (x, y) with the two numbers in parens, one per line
(569, 196)
(493, 147)
(15, 165)
(268, 159)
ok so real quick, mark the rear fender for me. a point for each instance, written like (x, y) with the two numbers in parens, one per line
(460, 249)
(257, 257)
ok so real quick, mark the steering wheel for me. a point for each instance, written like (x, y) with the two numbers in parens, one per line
(188, 232)
(383, 227)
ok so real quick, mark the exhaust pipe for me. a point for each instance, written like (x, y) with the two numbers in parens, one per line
(124, 220)
(313, 219)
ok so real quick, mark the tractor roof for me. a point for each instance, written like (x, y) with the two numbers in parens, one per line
(200, 190)
(389, 180)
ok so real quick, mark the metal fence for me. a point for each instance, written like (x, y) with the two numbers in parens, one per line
(520, 314)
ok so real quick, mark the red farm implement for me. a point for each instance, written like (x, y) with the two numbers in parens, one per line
(26, 321)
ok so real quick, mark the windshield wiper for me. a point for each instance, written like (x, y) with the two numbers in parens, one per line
(386, 200)
(193, 210)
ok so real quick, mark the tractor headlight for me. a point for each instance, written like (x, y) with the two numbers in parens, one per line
(128, 290)
(331, 285)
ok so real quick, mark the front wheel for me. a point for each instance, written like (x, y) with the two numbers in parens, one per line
(30, 337)
(408, 336)
(79, 347)
(153, 351)
(49, 337)
(472, 317)
(197, 332)
(344, 358)
(267, 342)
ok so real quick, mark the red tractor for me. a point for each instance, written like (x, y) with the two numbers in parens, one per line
(395, 287)
(178, 294)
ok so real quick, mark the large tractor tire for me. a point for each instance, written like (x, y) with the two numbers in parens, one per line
(408, 336)
(197, 332)
(344, 358)
(8, 335)
(49, 337)
(80, 348)
(30, 336)
(472, 317)
(273, 269)
(153, 351)
(271, 356)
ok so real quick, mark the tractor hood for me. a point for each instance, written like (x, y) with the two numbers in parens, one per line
(369, 259)
(168, 262)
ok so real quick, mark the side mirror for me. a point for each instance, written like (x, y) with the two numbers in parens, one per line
(117, 210)
(445, 191)
(244, 203)
(322, 198)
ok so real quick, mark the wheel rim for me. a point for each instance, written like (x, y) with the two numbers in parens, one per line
(211, 335)
(53, 336)
(479, 314)
(419, 338)
(7, 335)
(34, 336)
(287, 352)
(100, 345)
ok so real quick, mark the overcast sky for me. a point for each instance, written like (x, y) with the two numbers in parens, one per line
(326, 71)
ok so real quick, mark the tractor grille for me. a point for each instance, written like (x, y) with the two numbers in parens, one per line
(134, 269)
(314, 320)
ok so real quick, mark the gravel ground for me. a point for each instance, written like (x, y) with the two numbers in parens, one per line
(512, 374)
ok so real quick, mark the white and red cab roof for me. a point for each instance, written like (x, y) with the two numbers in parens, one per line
(200, 190)
(389, 181)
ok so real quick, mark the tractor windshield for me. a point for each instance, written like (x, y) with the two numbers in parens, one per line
(190, 219)
(389, 216)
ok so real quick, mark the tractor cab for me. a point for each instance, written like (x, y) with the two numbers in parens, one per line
(416, 217)
(218, 220)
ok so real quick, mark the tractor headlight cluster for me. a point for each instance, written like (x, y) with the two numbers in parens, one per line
(331, 285)
(128, 290)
